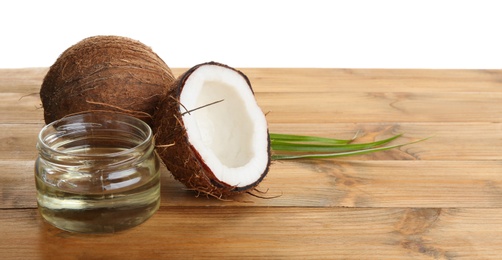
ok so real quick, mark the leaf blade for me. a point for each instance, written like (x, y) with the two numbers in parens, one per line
(308, 147)
(306, 138)
(341, 154)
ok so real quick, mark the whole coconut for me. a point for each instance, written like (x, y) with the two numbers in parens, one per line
(110, 73)
(210, 132)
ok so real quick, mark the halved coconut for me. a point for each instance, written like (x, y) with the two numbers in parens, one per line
(211, 133)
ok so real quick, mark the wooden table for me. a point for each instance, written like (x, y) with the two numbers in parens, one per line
(438, 199)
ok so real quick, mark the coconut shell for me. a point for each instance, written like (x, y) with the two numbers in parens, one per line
(109, 73)
(179, 156)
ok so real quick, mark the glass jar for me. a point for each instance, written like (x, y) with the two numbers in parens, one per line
(97, 173)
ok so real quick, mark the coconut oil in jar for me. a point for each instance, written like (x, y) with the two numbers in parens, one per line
(97, 173)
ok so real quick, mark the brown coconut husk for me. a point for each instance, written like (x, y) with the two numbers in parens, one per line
(110, 73)
(179, 156)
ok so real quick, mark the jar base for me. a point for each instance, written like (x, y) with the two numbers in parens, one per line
(84, 214)
(98, 220)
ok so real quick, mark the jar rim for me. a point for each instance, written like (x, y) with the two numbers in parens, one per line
(80, 123)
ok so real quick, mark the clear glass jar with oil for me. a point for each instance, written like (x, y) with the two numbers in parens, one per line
(97, 173)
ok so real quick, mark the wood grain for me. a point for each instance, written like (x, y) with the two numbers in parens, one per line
(342, 183)
(17, 141)
(261, 232)
(374, 107)
(437, 199)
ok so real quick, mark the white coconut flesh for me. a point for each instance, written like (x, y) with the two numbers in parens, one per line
(231, 136)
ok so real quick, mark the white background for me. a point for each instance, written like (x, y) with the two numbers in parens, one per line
(264, 33)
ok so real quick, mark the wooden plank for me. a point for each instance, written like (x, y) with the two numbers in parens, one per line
(381, 107)
(18, 141)
(328, 183)
(448, 141)
(291, 80)
(24, 81)
(329, 107)
(268, 233)
(471, 141)
(17, 185)
(386, 184)
(20, 108)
